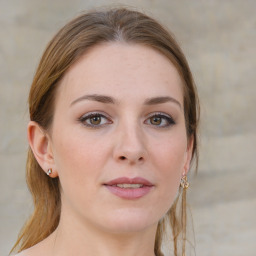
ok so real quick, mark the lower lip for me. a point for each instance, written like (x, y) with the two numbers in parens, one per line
(129, 193)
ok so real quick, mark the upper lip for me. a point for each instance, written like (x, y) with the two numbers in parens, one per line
(126, 180)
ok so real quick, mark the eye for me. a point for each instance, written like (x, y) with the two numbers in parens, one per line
(94, 120)
(160, 120)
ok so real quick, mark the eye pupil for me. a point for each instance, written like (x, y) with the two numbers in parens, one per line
(155, 120)
(95, 120)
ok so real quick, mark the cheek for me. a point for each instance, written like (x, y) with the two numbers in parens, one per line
(79, 169)
(170, 155)
(78, 157)
(170, 160)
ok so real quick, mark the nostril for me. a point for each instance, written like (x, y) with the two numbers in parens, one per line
(124, 158)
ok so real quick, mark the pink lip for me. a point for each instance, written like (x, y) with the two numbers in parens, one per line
(129, 193)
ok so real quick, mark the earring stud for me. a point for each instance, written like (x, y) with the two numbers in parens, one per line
(184, 182)
(49, 172)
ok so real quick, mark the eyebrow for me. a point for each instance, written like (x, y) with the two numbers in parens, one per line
(109, 100)
(161, 100)
(95, 97)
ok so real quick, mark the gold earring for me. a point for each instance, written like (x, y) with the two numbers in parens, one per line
(184, 182)
(49, 172)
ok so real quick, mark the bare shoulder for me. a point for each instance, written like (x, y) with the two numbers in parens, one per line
(40, 249)
(23, 253)
(32, 251)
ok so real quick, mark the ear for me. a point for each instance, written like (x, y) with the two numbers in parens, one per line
(41, 145)
(188, 155)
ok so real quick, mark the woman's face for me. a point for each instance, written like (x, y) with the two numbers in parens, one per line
(118, 137)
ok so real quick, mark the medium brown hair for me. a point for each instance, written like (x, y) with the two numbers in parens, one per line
(68, 45)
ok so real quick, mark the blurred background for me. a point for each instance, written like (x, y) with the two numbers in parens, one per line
(219, 40)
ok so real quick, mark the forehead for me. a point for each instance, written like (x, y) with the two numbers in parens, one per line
(111, 68)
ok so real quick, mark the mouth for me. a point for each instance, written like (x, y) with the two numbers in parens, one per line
(127, 188)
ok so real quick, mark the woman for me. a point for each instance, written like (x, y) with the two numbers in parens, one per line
(113, 131)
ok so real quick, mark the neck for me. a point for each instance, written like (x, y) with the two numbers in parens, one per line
(82, 240)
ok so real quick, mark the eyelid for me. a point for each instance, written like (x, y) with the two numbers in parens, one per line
(99, 113)
(158, 113)
(168, 117)
(88, 115)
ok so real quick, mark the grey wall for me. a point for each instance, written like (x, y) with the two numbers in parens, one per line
(219, 39)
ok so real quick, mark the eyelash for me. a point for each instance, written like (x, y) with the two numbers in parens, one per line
(169, 120)
(89, 116)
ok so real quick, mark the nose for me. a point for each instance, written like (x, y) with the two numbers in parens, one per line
(130, 146)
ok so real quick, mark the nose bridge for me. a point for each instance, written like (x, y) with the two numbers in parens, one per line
(130, 144)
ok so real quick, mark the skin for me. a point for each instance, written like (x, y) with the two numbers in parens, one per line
(127, 141)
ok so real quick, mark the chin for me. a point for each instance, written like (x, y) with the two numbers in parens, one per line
(130, 220)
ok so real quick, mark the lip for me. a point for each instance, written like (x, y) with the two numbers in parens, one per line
(129, 193)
